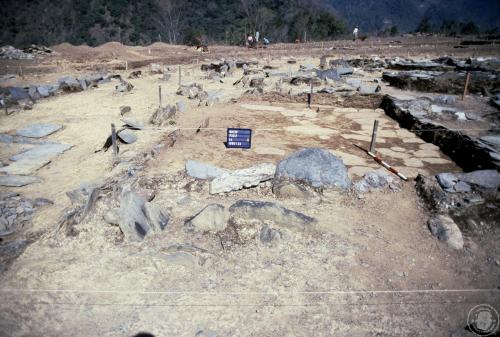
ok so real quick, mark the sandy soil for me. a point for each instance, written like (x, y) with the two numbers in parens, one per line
(369, 268)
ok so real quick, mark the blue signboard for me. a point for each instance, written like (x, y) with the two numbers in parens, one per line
(239, 138)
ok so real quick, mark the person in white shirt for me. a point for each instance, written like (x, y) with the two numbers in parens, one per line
(355, 33)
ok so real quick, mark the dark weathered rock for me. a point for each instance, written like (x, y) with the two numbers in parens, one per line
(445, 229)
(163, 115)
(249, 211)
(431, 192)
(124, 86)
(70, 84)
(138, 218)
(135, 74)
(257, 82)
(268, 234)
(314, 166)
(331, 74)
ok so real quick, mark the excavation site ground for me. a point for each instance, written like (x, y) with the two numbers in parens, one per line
(306, 233)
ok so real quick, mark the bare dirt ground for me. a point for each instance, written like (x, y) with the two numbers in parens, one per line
(370, 267)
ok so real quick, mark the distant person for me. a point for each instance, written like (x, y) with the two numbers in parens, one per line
(266, 41)
(257, 35)
(250, 41)
(355, 33)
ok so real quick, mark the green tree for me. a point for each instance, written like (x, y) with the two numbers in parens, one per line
(470, 28)
(424, 26)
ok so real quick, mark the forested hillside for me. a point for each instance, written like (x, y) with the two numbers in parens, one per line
(174, 21)
(183, 21)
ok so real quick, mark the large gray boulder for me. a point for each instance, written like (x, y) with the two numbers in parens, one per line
(200, 170)
(313, 166)
(212, 218)
(445, 229)
(138, 218)
(244, 178)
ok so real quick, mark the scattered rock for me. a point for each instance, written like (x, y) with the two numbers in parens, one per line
(191, 90)
(132, 124)
(182, 259)
(70, 84)
(206, 333)
(373, 180)
(138, 218)
(135, 74)
(163, 115)
(445, 229)
(269, 235)
(124, 86)
(244, 178)
(181, 106)
(445, 99)
(155, 68)
(112, 216)
(11, 53)
(125, 109)
(286, 189)
(200, 170)
(314, 166)
(249, 211)
(212, 218)
(127, 136)
(257, 82)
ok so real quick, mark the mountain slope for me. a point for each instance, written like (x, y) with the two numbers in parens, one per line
(374, 15)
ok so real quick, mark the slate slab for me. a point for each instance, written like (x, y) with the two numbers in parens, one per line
(38, 130)
(25, 167)
(127, 136)
(47, 151)
(13, 180)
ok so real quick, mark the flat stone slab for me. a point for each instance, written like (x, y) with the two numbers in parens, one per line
(133, 123)
(17, 180)
(200, 170)
(41, 152)
(38, 130)
(244, 178)
(127, 136)
(25, 167)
